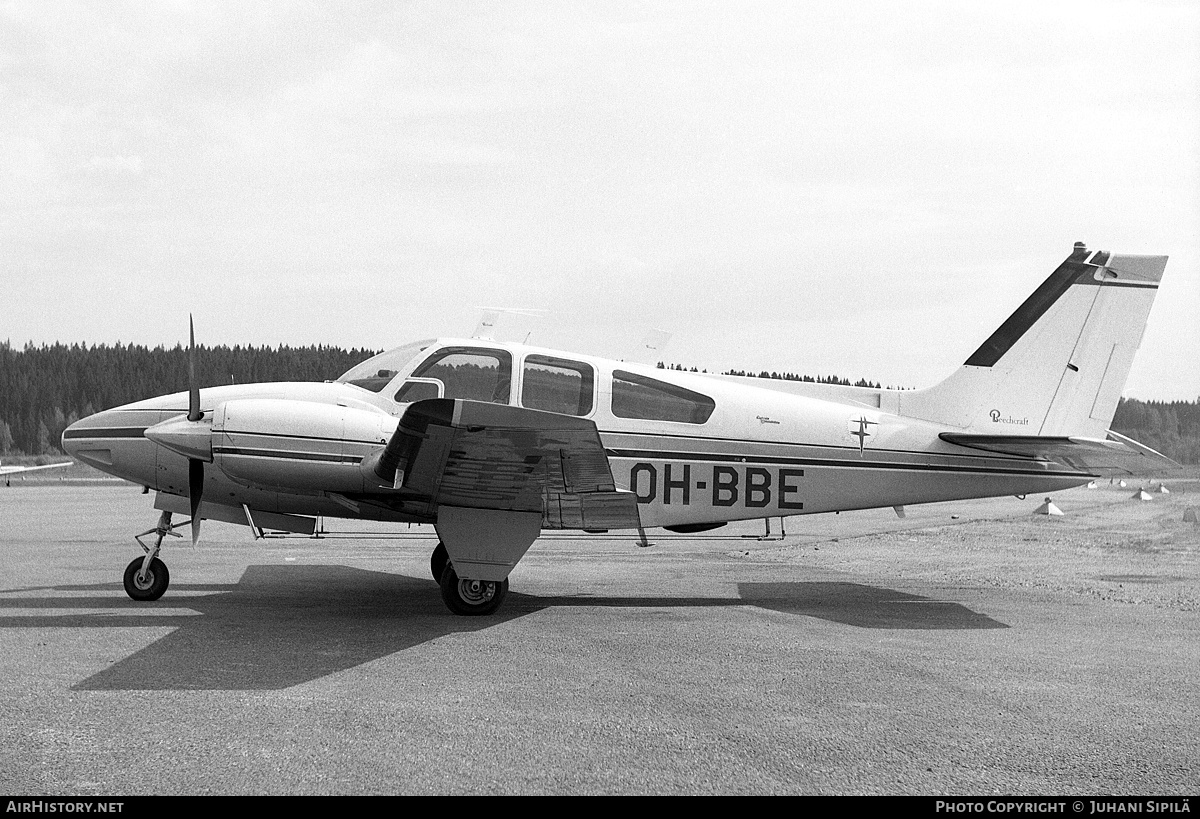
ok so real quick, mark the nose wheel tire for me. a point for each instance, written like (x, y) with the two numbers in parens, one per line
(149, 585)
(438, 561)
(471, 597)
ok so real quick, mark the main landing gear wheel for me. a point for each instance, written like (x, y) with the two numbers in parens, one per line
(149, 585)
(438, 561)
(471, 597)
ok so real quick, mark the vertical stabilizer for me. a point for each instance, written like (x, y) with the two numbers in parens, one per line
(1058, 365)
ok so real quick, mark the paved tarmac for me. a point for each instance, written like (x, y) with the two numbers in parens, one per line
(990, 652)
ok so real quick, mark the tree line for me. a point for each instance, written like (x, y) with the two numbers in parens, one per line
(44, 389)
(1171, 427)
(820, 379)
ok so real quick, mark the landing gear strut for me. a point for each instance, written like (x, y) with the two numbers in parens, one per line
(484, 545)
(147, 578)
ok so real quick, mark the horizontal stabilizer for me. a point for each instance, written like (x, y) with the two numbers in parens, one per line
(1117, 455)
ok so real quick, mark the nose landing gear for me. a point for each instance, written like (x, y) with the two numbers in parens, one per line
(147, 578)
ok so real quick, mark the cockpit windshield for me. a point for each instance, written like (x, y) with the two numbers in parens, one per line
(378, 371)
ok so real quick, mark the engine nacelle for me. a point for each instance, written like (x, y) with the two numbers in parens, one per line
(297, 445)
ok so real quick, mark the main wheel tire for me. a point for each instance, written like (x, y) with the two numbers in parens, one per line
(471, 597)
(150, 586)
(438, 561)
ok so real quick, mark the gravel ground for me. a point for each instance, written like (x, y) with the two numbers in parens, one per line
(970, 648)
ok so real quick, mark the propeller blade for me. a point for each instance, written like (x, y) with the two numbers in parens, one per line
(194, 413)
(195, 490)
(195, 467)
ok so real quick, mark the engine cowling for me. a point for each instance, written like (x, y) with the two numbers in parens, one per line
(297, 445)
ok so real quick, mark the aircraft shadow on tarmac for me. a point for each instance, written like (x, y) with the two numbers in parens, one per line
(285, 625)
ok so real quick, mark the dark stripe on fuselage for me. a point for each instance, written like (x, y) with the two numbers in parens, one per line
(237, 433)
(283, 454)
(652, 455)
(104, 432)
(138, 432)
(635, 454)
(853, 448)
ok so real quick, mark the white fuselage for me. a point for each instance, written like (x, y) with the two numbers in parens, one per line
(297, 448)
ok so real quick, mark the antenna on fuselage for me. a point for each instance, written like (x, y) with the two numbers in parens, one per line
(485, 330)
(650, 348)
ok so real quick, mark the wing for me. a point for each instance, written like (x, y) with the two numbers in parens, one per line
(477, 455)
(1116, 455)
(12, 470)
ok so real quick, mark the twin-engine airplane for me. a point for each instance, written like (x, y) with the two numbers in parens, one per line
(494, 442)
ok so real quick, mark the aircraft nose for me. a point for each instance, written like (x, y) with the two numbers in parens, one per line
(85, 440)
(68, 441)
(93, 439)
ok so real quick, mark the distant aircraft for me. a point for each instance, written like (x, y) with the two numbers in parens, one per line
(8, 471)
(494, 442)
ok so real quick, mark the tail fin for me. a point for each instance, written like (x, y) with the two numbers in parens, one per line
(1058, 364)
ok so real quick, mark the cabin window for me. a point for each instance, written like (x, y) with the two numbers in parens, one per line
(646, 399)
(476, 375)
(557, 385)
(378, 371)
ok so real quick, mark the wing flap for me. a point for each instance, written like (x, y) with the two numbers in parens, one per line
(1115, 455)
(492, 456)
(590, 510)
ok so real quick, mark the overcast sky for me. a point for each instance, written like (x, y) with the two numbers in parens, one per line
(859, 188)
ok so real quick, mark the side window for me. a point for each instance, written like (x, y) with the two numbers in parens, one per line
(635, 396)
(557, 385)
(417, 389)
(477, 375)
(376, 381)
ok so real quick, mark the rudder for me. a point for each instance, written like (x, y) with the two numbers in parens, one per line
(1058, 364)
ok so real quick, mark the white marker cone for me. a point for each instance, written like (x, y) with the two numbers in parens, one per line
(1048, 508)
